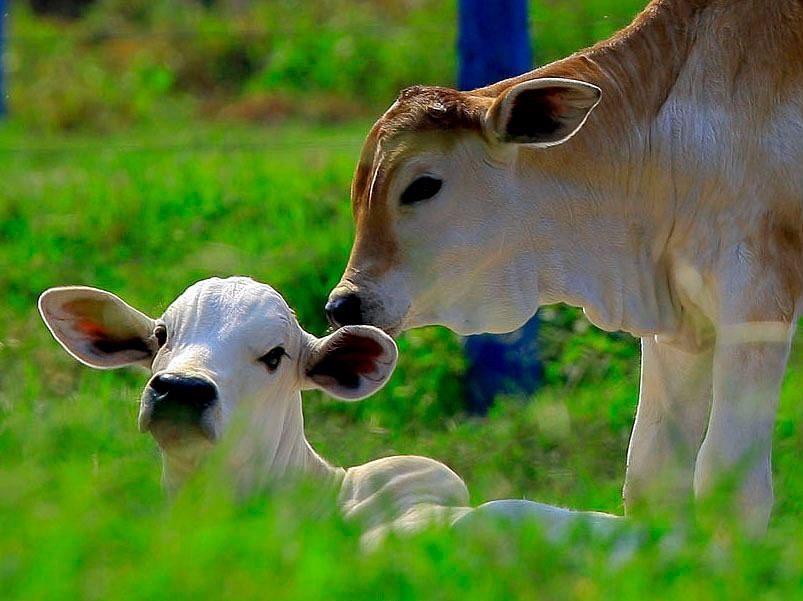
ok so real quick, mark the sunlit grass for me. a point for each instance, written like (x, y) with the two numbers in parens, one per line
(147, 211)
(81, 511)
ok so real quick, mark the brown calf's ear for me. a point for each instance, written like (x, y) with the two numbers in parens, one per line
(97, 327)
(351, 363)
(542, 112)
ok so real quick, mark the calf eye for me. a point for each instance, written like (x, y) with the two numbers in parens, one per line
(273, 358)
(422, 188)
(160, 333)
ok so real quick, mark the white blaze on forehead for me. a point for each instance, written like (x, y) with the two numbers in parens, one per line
(223, 309)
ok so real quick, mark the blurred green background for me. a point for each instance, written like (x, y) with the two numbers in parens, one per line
(153, 143)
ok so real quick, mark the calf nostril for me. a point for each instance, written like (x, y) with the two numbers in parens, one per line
(192, 391)
(160, 384)
(344, 310)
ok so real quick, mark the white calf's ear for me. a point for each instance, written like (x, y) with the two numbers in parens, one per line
(542, 112)
(97, 327)
(351, 363)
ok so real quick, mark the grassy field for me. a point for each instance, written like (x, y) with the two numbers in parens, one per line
(81, 513)
(146, 197)
(127, 61)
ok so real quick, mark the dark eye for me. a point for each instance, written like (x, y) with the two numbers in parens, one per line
(160, 333)
(422, 188)
(273, 358)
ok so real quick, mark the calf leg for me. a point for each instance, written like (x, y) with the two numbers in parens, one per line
(749, 365)
(674, 401)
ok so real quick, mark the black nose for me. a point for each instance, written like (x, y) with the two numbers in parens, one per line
(344, 310)
(181, 398)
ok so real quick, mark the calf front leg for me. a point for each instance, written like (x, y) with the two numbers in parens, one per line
(674, 401)
(749, 364)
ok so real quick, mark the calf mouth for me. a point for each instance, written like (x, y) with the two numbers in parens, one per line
(178, 425)
(366, 308)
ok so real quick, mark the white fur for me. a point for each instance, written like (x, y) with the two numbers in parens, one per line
(218, 329)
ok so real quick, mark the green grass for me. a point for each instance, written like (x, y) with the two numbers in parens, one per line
(128, 61)
(141, 197)
(145, 214)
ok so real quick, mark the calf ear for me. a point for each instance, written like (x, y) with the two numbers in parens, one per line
(542, 112)
(351, 363)
(97, 327)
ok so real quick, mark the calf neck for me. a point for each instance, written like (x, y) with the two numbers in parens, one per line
(653, 180)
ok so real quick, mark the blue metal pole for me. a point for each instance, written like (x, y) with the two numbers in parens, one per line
(3, 16)
(494, 41)
(494, 44)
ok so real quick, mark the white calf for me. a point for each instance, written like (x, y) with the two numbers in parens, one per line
(233, 347)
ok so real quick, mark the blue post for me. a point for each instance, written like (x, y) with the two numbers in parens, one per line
(3, 8)
(494, 41)
(494, 44)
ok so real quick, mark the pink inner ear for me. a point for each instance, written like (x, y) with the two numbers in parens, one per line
(356, 352)
(91, 328)
(553, 100)
(350, 358)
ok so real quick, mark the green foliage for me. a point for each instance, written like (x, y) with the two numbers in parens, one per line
(145, 211)
(145, 214)
(561, 27)
(127, 62)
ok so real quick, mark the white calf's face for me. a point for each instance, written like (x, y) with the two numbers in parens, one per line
(221, 347)
(222, 344)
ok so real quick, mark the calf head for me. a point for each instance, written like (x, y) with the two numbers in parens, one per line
(223, 346)
(441, 207)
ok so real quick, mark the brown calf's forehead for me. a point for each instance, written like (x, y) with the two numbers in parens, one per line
(418, 109)
(427, 108)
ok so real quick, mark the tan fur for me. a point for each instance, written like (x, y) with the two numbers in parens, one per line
(676, 212)
(744, 56)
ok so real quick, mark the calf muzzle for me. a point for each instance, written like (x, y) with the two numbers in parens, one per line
(344, 310)
(177, 406)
